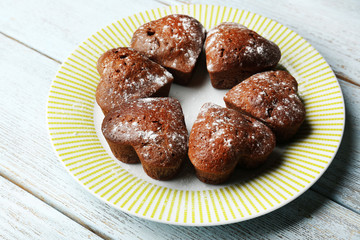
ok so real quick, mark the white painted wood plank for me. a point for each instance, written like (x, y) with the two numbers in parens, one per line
(332, 27)
(341, 182)
(23, 216)
(28, 160)
(56, 27)
(311, 216)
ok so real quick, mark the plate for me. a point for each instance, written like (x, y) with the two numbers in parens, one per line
(74, 121)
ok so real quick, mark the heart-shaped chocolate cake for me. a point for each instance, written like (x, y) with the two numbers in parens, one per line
(222, 138)
(234, 53)
(174, 41)
(272, 98)
(126, 75)
(149, 130)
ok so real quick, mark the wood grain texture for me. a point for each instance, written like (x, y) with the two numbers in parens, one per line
(332, 27)
(61, 25)
(28, 160)
(341, 182)
(23, 216)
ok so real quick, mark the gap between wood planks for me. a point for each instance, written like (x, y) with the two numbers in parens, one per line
(24, 44)
(338, 75)
(346, 79)
(179, 1)
(13, 181)
(164, 3)
(74, 218)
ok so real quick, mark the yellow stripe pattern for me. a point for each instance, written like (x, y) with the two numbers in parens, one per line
(71, 124)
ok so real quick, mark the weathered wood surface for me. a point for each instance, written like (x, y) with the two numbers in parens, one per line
(23, 216)
(332, 27)
(341, 182)
(40, 34)
(56, 27)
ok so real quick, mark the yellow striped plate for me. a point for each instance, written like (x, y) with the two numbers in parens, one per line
(74, 122)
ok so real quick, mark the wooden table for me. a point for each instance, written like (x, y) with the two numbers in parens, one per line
(40, 200)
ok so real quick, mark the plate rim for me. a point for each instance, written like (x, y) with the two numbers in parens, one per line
(222, 221)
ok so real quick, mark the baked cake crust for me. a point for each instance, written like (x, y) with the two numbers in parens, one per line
(149, 130)
(126, 75)
(222, 138)
(234, 53)
(272, 98)
(174, 41)
(143, 126)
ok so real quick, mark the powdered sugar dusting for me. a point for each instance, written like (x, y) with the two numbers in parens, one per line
(153, 126)
(270, 96)
(128, 75)
(230, 129)
(158, 79)
(221, 137)
(230, 43)
(177, 36)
